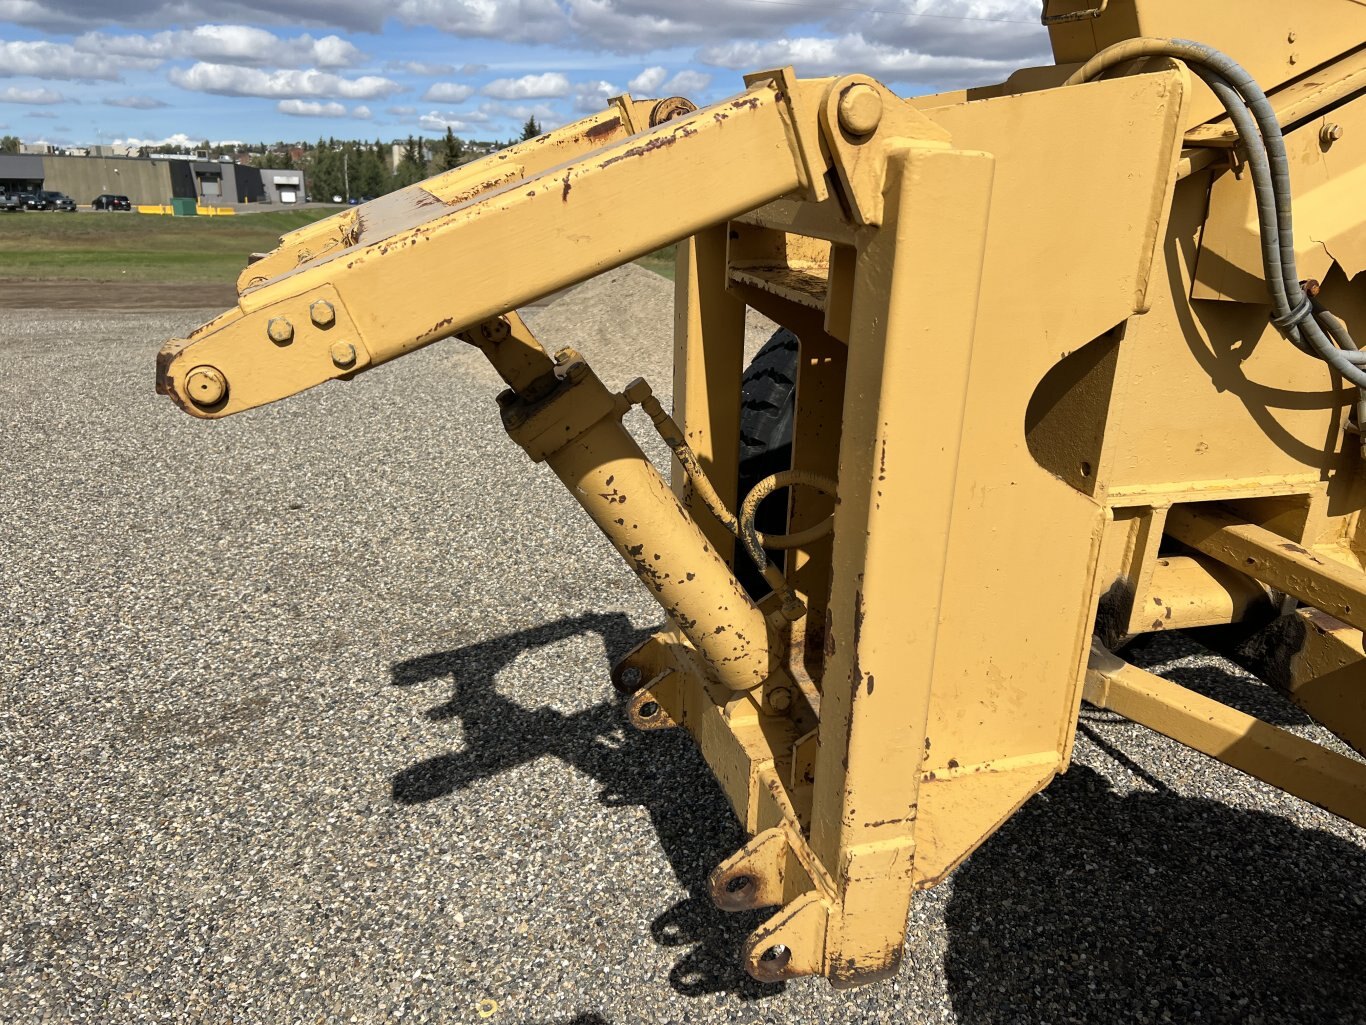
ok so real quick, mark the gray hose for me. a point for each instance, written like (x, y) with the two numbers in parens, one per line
(1294, 314)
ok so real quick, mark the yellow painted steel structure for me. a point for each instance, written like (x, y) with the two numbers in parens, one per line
(1036, 368)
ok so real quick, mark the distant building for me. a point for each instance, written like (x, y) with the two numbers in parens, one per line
(282, 186)
(150, 181)
(20, 172)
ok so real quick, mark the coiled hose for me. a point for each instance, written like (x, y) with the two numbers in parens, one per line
(1295, 313)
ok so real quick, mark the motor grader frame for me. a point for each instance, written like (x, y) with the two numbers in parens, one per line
(1040, 410)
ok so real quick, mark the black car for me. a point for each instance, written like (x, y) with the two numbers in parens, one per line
(59, 201)
(11, 202)
(110, 202)
(33, 200)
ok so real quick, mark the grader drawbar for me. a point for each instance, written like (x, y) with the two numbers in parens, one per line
(1074, 364)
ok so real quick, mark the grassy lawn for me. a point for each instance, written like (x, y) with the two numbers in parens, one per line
(139, 247)
(142, 247)
(661, 262)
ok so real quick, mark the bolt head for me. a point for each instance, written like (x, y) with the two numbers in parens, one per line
(322, 314)
(780, 699)
(343, 354)
(206, 386)
(281, 331)
(860, 109)
(1330, 134)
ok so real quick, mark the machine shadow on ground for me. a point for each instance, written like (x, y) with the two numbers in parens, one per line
(661, 772)
(1089, 906)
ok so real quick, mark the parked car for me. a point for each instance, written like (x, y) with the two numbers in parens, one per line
(10, 202)
(111, 202)
(36, 201)
(60, 201)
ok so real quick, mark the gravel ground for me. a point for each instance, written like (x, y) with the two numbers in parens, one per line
(306, 718)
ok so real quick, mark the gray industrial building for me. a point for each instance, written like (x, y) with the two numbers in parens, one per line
(149, 181)
(20, 172)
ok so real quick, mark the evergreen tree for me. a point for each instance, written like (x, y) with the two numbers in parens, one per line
(368, 177)
(9, 144)
(531, 129)
(412, 166)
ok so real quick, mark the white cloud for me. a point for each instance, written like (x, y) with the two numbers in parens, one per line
(227, 44)
(39, 59)
(361, 112)
(43, 97)
(135, 102)
(179, 139)
(491, 110)
(310, 108)
(549, 85)
(508, 21)
(438, 121)
(686, 82)
(473, 69)
(448, 92)
(817, 56)
(647, 81)
(591, 97)
(230, 80)
(419, 68)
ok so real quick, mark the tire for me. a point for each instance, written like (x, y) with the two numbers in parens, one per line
(768, 409)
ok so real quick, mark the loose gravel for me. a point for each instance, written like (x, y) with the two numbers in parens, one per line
(305, 718)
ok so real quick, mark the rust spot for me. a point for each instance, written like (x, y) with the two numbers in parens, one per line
(953, 763)
(608, 483)
(1157, 624)
(1156, 601)
(564, 196)
(640, 151)
(927, 743)
(606, 128)
(870, 683)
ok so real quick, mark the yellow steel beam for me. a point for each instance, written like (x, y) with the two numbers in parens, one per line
(1320, 581)
(521, 160)
(468, 262)
(1332, 781)
(1319, 663)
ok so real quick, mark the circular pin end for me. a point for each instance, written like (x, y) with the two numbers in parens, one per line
(206, 387)
(860, 109)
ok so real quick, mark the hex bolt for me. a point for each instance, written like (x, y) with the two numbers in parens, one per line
(860, 109)
(206, 386)
(322, 313)
(343, 354)
(281, 331)
(780, 699)
(1330, 134)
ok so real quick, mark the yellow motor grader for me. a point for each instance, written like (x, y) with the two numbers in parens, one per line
(1070, 361)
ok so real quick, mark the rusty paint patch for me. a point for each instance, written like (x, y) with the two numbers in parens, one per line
(606, 128)
(564, 196)
(640, 151)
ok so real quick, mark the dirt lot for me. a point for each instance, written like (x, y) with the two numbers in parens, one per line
(107, 295)
(305, 717)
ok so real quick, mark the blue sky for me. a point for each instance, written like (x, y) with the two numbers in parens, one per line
(78, 72)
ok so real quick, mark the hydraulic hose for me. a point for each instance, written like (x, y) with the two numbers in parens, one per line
(1295, 314)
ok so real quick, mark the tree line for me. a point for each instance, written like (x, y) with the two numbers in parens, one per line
(362, 170)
